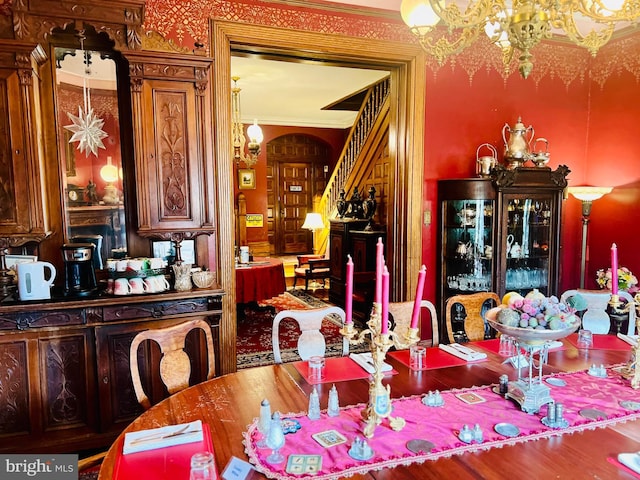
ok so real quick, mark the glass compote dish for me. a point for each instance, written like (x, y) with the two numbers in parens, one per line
(531, 393)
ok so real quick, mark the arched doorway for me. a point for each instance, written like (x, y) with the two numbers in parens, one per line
(297, 172)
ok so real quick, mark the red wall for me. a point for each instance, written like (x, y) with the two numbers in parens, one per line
(591, 130)
(613, 160)
(257, 199)
(461, 116)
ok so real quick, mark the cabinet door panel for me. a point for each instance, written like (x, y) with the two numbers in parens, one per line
(172, 133)
(66, 363)
(14, 388)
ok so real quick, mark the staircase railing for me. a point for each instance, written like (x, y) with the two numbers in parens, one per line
(353, 153)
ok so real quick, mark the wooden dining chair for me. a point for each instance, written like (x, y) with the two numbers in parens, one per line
(311, 341)
(175, 366)
(311, 267)
(401, 313)
(469, 310)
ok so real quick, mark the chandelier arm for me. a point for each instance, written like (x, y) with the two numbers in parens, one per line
(597, 11)
(442, 47)
(592, 41)
(475, 14)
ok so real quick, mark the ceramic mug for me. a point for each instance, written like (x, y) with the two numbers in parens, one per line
(137, 285)
(121, 286)
(112, 264)
(121, 265)
(157, 283)
(135, 264)
(155, 263)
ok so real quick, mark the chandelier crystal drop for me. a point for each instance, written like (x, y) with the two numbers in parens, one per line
(515, 24)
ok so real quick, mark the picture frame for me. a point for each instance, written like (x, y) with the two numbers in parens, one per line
(12, 260)
(166, 249)
(246, 179)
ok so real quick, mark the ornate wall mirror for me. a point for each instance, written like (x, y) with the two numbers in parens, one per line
(90, 149)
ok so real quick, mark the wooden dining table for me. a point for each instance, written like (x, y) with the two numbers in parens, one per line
(229, 404)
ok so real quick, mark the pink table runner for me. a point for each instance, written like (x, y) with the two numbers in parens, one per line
(338, 369)
(441, 425)
(602, 342)
(436, 358)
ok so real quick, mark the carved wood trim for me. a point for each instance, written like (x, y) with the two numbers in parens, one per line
(406, 151)
(121, 20)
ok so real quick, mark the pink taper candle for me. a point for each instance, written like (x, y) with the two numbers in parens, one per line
(416, 303)
(379, 267)
(614, 269)
(384, 316)
(348, 297)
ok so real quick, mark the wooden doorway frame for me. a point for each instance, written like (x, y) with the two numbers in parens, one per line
(406, 62)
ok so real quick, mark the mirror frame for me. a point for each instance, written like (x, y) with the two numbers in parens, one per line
(407, 66)
(96, 42)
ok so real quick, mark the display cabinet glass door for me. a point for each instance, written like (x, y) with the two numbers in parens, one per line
(528, 242)
(467, 246)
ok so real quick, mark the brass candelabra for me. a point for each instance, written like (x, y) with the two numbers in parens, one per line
(379, 406)
(632, 370)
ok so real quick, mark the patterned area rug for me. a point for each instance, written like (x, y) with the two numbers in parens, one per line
(254, 330)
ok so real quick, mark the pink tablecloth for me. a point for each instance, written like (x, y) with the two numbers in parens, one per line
(263, 279)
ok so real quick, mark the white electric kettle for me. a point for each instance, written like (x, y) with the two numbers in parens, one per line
(31, 282)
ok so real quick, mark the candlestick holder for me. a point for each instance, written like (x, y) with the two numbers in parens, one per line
(379, 406)
(632, 369)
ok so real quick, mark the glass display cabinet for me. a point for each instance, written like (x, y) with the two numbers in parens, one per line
(501, 233)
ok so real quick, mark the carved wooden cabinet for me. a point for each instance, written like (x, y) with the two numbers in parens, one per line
(172, 136)
(23, 209)
(64, 366)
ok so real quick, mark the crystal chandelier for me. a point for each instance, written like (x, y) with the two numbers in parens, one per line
(254, 132)
(514, 24)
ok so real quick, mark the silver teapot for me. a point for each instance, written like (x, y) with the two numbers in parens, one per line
(540, 158)
(516, 147)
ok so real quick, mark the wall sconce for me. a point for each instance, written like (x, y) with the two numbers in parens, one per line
(254, 132)
(587, 195)
(109, 173)
(313, 222)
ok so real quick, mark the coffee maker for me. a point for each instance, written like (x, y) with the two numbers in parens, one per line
(79, 274)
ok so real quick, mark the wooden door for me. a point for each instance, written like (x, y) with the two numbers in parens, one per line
(297, 172)
(296, 196)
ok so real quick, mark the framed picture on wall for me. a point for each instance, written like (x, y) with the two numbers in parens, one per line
(246, 178)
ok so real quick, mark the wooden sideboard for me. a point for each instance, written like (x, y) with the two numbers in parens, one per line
(64, 365)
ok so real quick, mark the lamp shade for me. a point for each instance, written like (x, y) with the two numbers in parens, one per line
(588, 193)
(313, 221)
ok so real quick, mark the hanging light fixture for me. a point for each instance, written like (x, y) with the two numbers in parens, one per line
(86, 127)
(514, 24)
(254, 132)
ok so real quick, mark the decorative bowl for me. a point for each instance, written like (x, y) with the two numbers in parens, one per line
(530, 336)
(203, 279)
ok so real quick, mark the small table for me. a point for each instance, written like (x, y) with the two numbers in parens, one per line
(259, 280)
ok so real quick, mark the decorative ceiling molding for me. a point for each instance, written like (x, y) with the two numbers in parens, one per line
(188, 22)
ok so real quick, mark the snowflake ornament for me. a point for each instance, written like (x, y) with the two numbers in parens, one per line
(87, 131)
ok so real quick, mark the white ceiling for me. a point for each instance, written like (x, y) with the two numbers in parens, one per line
(288, 93)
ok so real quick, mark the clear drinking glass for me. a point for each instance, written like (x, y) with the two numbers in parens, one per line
(202, 466)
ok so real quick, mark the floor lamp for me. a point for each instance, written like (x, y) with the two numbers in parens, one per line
(313, 222)
(587, 195)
